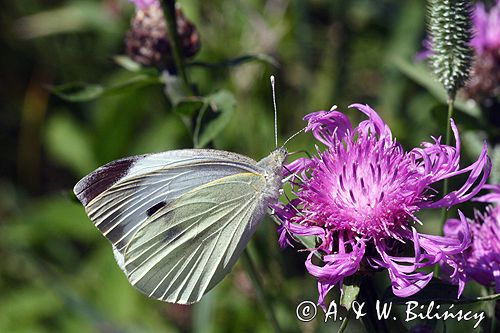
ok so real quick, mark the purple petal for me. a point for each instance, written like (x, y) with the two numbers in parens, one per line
(467, 191)
(336, 268)
(374, 123)
(493, 196)
(404, 279)
(328, 127)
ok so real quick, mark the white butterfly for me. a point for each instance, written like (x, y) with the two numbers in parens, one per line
(179, 220)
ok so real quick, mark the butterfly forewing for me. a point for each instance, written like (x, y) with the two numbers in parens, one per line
(189, 245)
(121, 195)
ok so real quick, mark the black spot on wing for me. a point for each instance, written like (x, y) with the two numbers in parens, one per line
(155, 208)
(103, 178)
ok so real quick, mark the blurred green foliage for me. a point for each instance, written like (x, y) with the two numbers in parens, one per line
(57, 273)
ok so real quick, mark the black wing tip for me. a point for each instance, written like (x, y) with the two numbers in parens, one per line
(102, 179)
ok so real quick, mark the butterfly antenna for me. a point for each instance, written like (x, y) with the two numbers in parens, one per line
(275, 112)
(293, 136)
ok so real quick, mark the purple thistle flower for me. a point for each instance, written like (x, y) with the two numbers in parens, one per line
(481, 260)
(359, 198)
(484, 84)
(487, 28)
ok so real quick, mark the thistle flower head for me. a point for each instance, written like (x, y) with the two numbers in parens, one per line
(359, 197)
(147, 40)
(367, 185)
(481, 260)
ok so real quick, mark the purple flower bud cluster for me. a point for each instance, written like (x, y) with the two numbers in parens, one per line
(143, 4)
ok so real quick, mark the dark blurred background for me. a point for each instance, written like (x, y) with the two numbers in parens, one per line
(57, 273)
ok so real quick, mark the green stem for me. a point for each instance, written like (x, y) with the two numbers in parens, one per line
(168, 7)
(259, 290)
(444, 210)
(447, 142)
(197, 127)
(345, 322)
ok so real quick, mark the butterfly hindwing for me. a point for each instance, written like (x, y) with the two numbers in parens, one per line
(187, 246)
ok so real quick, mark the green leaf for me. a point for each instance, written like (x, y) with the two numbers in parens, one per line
(438, 291)
(350, 291)
(135, 82)
(309, 242)
(261, 57)
(78, 91)
(82, 92)
(222, 105)
(68, 144)
(188, 106)
(127, 63)
(73, 17)
(419, 73)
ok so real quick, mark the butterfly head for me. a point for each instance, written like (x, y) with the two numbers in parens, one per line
(273, 164)
(279, 155)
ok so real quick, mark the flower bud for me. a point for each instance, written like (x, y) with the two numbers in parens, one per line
(147, 41)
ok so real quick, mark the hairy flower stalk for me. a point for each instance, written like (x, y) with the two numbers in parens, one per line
(359, 198)
(450, 30)
(483, 84)
(481, 260)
